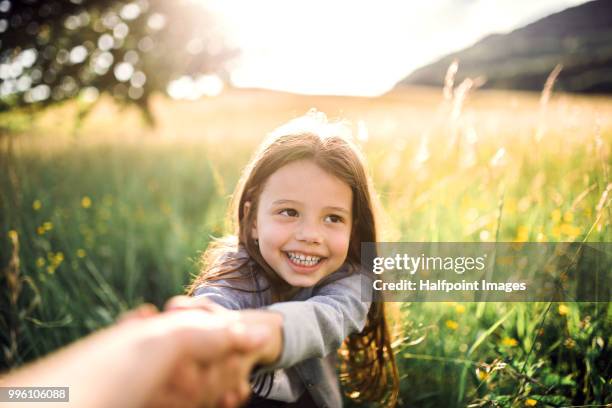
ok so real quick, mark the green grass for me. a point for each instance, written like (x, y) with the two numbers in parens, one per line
(106, 220)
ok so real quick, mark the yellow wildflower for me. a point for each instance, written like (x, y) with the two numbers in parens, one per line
(556, 231)
(50, 270)
(451, 324)
(40, 230)
(12, 234)
(510, 342)
(81, 253)
(459, 309)
(510, 206)
(481, 374)
(86, 202)
(505, 260)
(570, 230)
(58, 258)
(48, 226)
(40, 262)
(563, 310)
(556, 215)
(55, 259)
(568, 217)
(530, 402)
(522, 234)
(36, 205)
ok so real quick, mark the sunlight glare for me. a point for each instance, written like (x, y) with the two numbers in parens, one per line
(356, 48)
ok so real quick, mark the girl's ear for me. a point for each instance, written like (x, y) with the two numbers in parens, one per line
(247, 208)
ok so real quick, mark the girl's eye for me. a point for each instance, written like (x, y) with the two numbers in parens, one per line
(289, 212)
(334, 218)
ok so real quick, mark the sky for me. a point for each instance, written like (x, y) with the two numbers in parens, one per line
(358, 47)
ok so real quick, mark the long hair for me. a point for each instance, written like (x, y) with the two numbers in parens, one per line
(368, 370)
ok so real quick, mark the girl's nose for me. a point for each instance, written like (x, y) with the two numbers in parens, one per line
(309, 232)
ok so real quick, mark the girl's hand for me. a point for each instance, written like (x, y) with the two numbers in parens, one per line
(271, 351)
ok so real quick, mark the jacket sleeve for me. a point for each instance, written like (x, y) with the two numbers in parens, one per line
(222, 295)
(318, 325)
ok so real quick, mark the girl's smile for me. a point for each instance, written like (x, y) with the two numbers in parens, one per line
(303, 223)
(302, 263)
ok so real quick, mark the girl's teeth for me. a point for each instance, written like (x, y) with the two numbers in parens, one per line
(303, 259)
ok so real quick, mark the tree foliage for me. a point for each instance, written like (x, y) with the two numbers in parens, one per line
(51, 51)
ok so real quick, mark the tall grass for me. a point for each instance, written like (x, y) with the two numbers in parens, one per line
(96, 221)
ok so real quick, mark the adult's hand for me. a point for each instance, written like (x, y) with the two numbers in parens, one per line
(222, 383)
(252, 318)
(128, 365)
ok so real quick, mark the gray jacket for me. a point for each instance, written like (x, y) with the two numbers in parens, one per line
(316, 322)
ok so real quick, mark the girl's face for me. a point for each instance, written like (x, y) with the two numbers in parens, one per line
(303, 223)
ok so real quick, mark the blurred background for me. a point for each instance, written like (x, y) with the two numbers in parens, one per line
(124, 127)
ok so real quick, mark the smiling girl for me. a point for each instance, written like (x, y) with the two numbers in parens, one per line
(302, 209)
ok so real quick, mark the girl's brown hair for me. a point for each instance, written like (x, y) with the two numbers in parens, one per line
(368, 369)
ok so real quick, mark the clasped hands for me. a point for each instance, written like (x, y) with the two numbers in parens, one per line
(194, 354)
(208, 351)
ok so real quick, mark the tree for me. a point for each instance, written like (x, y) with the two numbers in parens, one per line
(51, 51)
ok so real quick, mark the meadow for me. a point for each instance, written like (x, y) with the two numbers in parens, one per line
(103, 213)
